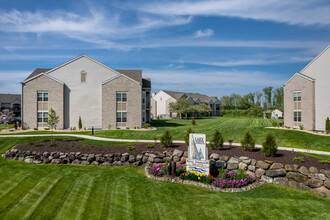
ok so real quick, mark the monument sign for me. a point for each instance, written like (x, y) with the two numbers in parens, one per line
(198, 154)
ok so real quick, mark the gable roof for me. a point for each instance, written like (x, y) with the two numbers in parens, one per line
(133, 74)
(9, 98)
(302, 75)
(194, 96)
(320, 54)
(37, 72)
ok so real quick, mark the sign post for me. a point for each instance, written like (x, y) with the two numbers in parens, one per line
(198, 154)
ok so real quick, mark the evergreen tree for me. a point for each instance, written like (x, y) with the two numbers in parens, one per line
(247, 143)
(166, 139)
(53, 119)
(217, 140)
(269, 147)
(193, 121)
(80, 123)
(186, 136)
(327, 125)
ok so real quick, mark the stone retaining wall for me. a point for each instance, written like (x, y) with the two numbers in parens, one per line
(291, 175)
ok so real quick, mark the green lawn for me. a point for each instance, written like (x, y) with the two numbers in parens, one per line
(231, 128)
(29, 191)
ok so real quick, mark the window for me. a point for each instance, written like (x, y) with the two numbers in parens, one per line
(121, 115)
(42, 108)
(297, 96)
(297, 116)
(83, 76)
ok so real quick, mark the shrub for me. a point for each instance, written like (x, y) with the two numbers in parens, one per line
(150, 145)
(46, 140)
(109, 126)
(193, 121)
(130, 148)
(36, 129)
(298, 159)
(134, 127)
(146, 125)
(38, 145)
(155, 139)
(180, 169)
(53, 145)
(269, 147)
(117, 128)
(247, 143)
(166, 139)
(274, 124)
(186, 136)
(74, 128)
(127, 128)
(31, 143)
(11, 130)
(80, 123)
(138, 127)
(23, 129)
(301, 127)
(325, 161)
(158, 170)
(46, 129)
(327, 125)
(217, 140)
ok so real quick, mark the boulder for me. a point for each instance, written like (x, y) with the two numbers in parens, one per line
(85, 162)
(145, 159)
(297, 177)
(95, 163)
(243, 158)
(248, 161)
(55, 161)
(126, 163)
(223, 158)
(21, 158)
(269, 161)
(233, 160)
(252, 168)
(139, 157)
(314, 183)
(185, 154)
(66, 161)
(322, 191)
(124, 157)
(232, 166)
(214, 156)
(131, 159)
(167, 159)
(313, 170)
(267, 179)
(106, 163)
(327, 183)
(91, 158)
(260, 172)
(297, 185)
(137, 163)
(242, 166)
(275, 166)
(249, 173)
(183, 160)
(37, 161)
(28, 159)
(151, 159)
(303, 170)
(45, 161)
(117, 163)
(291, 167)
(117, 154)
(276, 173)
(176, 159)
(46, 154)
(76, 162)
(319, 176)
(177, 153)
(282, 181)
(158, 160)
(253, 162)
(325, 172)
(263, 165)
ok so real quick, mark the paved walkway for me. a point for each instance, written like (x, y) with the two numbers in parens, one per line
(152, 141)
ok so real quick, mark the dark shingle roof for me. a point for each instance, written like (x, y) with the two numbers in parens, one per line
(8, 98)
(133, 74)
(194, 96)
(146, 83)
(37, 72)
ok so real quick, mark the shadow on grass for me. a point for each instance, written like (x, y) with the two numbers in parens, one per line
(166, 123)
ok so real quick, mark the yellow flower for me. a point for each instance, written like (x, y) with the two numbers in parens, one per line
(199, 178)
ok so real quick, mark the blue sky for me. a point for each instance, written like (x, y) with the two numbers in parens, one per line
(211, 47)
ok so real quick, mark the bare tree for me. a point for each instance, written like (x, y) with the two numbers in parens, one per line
(7, 116)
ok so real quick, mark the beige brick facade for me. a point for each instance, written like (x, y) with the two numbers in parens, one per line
(29, 100)
(134, 102)
(307, 88)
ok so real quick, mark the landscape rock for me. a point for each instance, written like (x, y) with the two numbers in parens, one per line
(131, 159)
(242, 166)
(269, 161)
(275, 166)
(28, 159)
(249, 173)
(224, 158)
(65, 161)
(313, 170)
(45, 161)
(325, 172)
(327, 183)
(76, 162)
(282, 181)
(144, 159)
(253, 162)
(46, 154)
(291, 167)
(322, 191)
(314, 183)
(319, 176)
(185, 154)
(183, 160)
(252, 168)
(176, 159)
(214, 156)
(139, 157)
(232, 166)
(247, 161)
(106, 163)
(177, 153)
(263, 165)
(233, 160)
(117, 163)
(297, 177)
(85, 162)
(267, 179)
(158, 160)
(303, 170)
(95, 163)
(243, 158)
(37, 161)
(167, 159)
(55, 161)
(276, 173)
(298, 185)
(259, 172)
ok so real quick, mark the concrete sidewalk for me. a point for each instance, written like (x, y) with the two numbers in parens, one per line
(152, 141)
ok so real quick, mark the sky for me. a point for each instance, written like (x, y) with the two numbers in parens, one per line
(210, 47)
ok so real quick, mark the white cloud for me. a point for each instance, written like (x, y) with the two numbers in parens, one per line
(10, 81)
(204, 33)
(291, 12)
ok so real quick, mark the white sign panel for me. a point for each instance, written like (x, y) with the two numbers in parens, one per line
(198, 154)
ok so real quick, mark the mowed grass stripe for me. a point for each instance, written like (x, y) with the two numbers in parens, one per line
(86, 195)
(24, 203)
(11, 184)
(8, 177)
(70, 204)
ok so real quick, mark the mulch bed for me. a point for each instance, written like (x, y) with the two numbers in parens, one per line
(67, 146)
